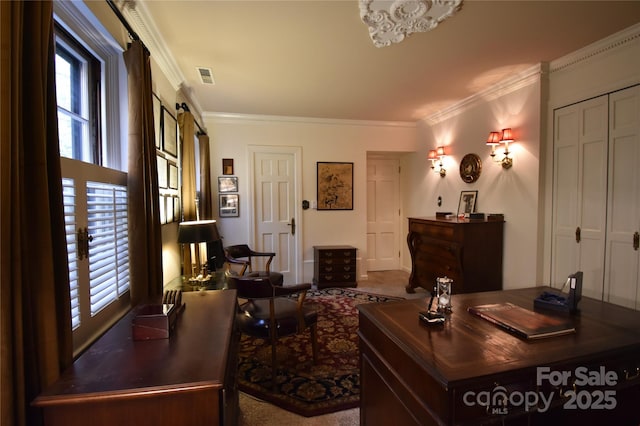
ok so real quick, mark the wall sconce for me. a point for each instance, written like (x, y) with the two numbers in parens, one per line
(496, 138)
(436, 155)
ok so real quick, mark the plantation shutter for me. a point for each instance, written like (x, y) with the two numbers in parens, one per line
(109, 249)
(103, 208)
(69, 194)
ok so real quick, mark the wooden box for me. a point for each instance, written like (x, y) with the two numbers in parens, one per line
(153, 322)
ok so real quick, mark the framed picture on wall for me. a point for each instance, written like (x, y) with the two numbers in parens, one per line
(162, 171)
(227, 184)
(227, 166)
(157, 119)
(335, 186)
(169, 133)
(467, 203)
(229, 205)
(173, 176)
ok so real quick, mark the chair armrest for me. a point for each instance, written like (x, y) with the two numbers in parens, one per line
(262, 253)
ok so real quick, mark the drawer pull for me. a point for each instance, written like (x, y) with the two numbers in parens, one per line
(328, 277)
(328, 269)
(347, 268)
(346, 276)
(329, 262)
(328, 253)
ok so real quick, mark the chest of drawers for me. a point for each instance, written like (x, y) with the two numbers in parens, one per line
(334, 266)
(467, 251)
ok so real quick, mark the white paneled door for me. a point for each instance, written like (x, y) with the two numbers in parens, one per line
(275, 212)
(622, 264)
(580, 193)
(383, 214)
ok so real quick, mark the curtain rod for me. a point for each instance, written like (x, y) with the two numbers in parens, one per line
(132, 34)
(185, 107)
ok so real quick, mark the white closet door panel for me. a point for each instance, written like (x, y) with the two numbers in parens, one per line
(622, 262)
(565, 201)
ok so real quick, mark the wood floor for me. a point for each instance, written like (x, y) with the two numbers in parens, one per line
(254, 412)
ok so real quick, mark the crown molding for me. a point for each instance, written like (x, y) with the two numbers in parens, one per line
(522, 79)
(137, 14)
(233, 117)
(614, 41)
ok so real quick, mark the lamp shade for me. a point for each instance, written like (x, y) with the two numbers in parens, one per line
(198, 231)
(494, 138)
(440, 151)
(432, 155)
(507, 136)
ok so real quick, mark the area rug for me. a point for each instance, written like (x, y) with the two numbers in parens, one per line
(333, 383)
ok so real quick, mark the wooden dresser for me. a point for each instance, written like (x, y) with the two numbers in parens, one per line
(187, 379)
(334, 266)
(470, 372)
(467, 251)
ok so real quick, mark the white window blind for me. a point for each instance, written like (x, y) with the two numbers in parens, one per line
(69, 194)
(109, 248)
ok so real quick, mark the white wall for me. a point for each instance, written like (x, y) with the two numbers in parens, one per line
(320, 140)
(513, 192)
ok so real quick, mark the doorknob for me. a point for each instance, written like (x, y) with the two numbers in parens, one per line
(293, 226)
(578, 234)
(636, 240)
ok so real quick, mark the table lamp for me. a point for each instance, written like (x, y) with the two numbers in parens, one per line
(196, 232)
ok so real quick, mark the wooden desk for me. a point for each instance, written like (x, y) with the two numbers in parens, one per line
(188, 379)
(412, 374)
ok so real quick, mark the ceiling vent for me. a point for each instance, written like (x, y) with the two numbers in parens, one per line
(206, 76)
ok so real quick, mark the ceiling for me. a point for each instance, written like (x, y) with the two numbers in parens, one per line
(315, 58)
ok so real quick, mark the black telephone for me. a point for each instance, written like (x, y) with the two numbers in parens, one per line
(558, 302)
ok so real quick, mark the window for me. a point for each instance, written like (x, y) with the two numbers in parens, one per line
(91, 103)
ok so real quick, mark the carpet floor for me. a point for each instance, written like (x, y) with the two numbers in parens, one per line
(302, 386)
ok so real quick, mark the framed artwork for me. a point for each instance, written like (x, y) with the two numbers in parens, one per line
(169, 209)
(335, 186)
(173, 176)
(227, 166)
(163, 213)
(227, 184)
(162, 171)
(176, 208)
(157, 118)
(467, 203)
(169, 133)
(229, 205)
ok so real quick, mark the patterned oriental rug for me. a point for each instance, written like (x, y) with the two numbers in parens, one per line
(305, 388)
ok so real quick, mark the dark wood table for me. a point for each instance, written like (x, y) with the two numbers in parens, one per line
(187, 379)
(412, 374)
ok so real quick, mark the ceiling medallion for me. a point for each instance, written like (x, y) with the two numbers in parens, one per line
(390, 21)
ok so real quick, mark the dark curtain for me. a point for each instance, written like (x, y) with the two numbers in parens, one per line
(206, 195)
(188, 194)
(36, 337)
(145, 239)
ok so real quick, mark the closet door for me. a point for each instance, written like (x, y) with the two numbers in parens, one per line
(580, 193)
(621, 281)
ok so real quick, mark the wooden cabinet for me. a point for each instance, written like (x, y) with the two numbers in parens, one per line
(334, 266)
(467, 251)
(412, 374)
(187, 379)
